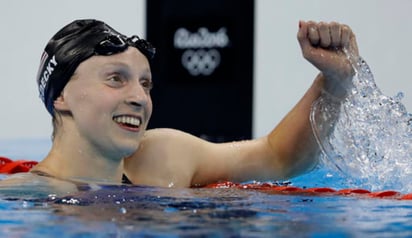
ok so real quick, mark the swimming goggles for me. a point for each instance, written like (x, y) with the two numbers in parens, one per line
(113, 44)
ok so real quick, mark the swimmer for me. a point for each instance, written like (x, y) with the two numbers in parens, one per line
(95, 82)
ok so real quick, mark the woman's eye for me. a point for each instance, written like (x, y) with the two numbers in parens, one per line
(115, 80)
(147, 84)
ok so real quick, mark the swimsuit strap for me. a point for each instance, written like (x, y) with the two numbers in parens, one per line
(40, 173)
(79, 185)
(126, 180)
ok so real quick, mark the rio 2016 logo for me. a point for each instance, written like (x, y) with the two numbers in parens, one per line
(200, 49)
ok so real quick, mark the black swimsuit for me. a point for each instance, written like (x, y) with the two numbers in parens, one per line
(81, 186)
(126, 180)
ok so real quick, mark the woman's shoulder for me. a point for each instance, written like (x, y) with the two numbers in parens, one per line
(164, 132)
(170, 135)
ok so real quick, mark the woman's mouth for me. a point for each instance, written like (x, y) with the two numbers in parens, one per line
(128, 122)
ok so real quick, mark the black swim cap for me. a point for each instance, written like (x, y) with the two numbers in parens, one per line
(75, 43)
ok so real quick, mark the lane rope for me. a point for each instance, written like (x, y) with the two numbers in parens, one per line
(9, 166)
(274, 188)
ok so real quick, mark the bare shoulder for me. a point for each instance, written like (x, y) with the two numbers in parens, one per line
(165, 134)
(168, 156)
(173, 143)
(165, 156)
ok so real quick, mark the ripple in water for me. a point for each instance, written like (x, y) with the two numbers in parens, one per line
(366, 138)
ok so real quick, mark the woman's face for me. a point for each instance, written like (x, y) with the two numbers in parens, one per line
(108, 100)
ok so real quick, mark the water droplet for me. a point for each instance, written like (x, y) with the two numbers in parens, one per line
(52, 196)
(123, 210)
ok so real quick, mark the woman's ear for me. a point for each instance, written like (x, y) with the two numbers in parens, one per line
(60, 104)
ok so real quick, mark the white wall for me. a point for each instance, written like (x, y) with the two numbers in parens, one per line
(281, 74)
(384, 35)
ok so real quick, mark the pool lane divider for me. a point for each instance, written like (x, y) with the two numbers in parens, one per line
(274, 188)
(9, 166)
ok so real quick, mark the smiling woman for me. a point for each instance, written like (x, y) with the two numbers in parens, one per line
(95, 82)
(98, 96)
(105, 90)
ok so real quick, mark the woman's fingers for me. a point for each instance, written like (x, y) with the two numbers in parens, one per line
(335, 30)
(324, 34)
(313, 33)
(329, 35)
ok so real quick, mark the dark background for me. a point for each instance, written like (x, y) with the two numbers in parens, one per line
(216, 107)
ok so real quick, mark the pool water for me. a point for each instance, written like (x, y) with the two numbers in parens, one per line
(135, 211)
(138, 211)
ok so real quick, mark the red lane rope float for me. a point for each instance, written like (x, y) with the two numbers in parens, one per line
(8, 166)
(291, 190)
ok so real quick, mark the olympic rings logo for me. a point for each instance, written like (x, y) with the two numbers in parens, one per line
(201, 61)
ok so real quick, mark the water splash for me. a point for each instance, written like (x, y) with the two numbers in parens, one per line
(367, 137)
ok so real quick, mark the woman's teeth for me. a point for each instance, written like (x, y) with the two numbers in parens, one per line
(133, 121)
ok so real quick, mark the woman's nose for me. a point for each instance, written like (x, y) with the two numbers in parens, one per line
(137, 96)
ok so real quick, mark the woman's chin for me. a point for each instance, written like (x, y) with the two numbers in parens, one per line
(129, 150)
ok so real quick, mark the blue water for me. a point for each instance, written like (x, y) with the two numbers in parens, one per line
(144, 211)
(136, 211)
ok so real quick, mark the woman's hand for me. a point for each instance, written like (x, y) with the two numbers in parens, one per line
(322, 45)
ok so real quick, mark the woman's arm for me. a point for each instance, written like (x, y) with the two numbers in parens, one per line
(173, 158)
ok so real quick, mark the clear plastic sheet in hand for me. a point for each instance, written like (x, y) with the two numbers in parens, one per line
(365, 138)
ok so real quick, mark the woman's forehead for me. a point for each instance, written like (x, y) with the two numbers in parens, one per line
(131, 59)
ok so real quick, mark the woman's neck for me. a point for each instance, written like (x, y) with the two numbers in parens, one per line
(79, 160)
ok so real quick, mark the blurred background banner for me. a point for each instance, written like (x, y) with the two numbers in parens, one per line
(281, 76)
(203, 70)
